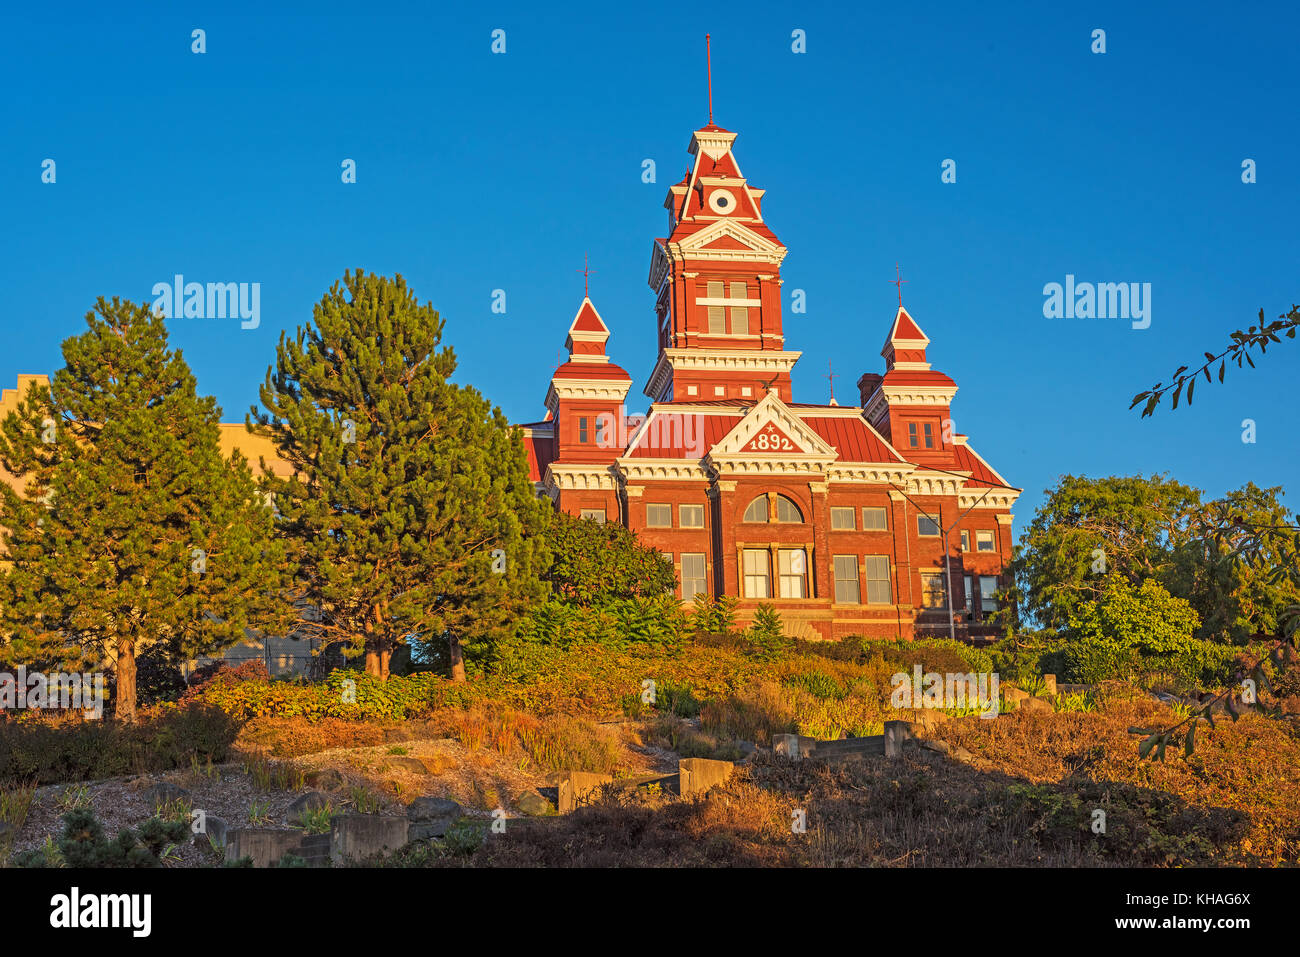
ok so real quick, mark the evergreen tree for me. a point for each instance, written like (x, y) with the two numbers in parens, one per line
(131, 530)
(411, 513)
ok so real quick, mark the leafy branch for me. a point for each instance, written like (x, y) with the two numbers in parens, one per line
(1238, 352)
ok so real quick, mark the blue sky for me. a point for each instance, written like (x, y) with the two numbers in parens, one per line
(478, 172)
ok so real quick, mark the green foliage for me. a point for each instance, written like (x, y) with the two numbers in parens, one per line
(594, 563)
(132, 529)
(942, 655)
(1234, 559)
(82, 844)
(766, 635)
(676, 699)
(714, 614)
(818, 684)
(1259, 336)
(405, 486)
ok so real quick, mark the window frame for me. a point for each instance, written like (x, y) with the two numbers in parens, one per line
(590, 514)
(992, 540)
(938, 576)
(681, 515)
(938, 529)
(762, 572)
(702, 578)
(884, 514)
(800, 577)
(658, 505)
(988, 604)
(872, 563)
(839, 510)
(837, 563)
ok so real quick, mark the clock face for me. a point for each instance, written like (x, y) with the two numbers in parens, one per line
(721, 201)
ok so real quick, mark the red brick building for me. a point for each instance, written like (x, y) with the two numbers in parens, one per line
(849, 520)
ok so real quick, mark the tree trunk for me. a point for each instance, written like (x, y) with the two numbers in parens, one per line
(456, 658)
(124, 708)
(378, 656)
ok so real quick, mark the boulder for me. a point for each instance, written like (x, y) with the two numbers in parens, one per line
(432, 808)
(1037, 705)
(215, 829)
(311, 801)
(574, 787)
(533, 804)
(328, 779)
(164, 792)
(265, 845)
(414, 765)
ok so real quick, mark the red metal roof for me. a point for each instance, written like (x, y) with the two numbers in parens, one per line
(666, 438)
(852, 437)
(591, 370)
(588, 320)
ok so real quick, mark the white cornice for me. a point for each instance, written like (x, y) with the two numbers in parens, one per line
(670, 470)
(570, 477)
(733, 361)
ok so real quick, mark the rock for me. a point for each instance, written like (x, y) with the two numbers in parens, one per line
(265, 845)
(1050, 682)
(432, 808)
(1037, 705)
(746, 748)
(533, 804)
(414, 765)
(165, 792)
(215, 829)
(311, 801)
(328, 779)
(1013, 696)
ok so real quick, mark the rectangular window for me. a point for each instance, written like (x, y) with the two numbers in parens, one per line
(758, 573)
(847, 589)
(716, 290)
(693, 575)
(739, 290)
(740, 320)
(927, 526)
(842, 518)
(965, 540)
(875, 519)
(596, 515)
(988, 585)
(718, 320)
(929, 436)
(877, 569)
(582, 429)
(933, 590)
(911, 434)
(970, 595)
(691, 516)
(984, 542)
(659, 516)
(792, 565)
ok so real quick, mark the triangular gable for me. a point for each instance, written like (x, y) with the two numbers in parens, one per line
(770, 440)
(770, 410)
(747, 238)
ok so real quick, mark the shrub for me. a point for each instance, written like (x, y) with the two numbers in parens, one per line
(767, 637)
(676, 699)
(82, 843)
(816, 683)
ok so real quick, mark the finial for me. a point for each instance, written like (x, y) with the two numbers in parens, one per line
(586, 272)
(899, 283)
(708, 59)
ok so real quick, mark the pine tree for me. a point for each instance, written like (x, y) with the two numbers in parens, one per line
(132, 530)
(411, 513)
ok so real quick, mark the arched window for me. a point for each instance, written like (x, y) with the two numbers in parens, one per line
(786, 510)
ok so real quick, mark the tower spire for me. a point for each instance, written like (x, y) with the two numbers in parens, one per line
(708, 59)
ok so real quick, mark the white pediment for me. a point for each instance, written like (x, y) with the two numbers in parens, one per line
(772, 417)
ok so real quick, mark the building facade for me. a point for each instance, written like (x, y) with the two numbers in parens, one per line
(872, 520)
